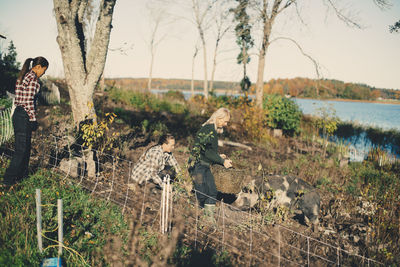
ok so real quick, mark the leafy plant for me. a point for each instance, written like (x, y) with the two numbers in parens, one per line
(282, 113)
(326, 122)
(95, 134)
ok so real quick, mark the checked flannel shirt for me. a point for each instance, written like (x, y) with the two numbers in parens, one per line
(25, 93)
(151, 163)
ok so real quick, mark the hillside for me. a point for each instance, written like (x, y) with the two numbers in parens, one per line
(358, 211)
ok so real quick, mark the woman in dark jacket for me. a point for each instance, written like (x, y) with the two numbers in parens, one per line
(24, 117)
(204, 154)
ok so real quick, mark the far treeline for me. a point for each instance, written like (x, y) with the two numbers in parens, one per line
(296, 87)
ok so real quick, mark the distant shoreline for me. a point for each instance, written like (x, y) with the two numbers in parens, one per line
(385, 101)
(230, 92)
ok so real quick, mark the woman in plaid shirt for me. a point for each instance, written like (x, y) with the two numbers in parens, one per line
(154, 161)
(24, 117)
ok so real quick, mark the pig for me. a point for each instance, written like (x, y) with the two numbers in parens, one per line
(289, 191)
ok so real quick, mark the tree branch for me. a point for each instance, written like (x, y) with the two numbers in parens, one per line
(343, 17)
(316, 65)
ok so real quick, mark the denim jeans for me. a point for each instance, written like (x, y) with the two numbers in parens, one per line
(204, 184)
(22, 132)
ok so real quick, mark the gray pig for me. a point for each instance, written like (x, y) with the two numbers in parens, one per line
(289, 191)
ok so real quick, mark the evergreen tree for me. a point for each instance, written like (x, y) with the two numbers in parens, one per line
(244, 39)
(9, 68)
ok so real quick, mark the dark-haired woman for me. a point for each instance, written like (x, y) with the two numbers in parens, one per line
(24, 117)
(154, 161)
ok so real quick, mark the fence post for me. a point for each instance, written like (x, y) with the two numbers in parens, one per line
(251, 237)
(167, 204)
(197, 221)
(163, 205)
(308, 251)
(223, 224)
(60, 225)
(39, 220)
(279, 246)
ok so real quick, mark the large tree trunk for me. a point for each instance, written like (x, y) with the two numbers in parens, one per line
(268, 22)
(260, 77)
(82, 66)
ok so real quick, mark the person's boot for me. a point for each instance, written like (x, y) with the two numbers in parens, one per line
(209, 215)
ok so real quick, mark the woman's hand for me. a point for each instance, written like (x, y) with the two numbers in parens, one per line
(227, 163)
(222, 156)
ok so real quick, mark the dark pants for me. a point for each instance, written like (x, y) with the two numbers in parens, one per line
(204, 184)
(22, 132)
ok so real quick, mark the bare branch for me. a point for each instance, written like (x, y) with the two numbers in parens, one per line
(316, 65)
(383, 4)
(343, 17)
(299, 15)
(123, 49)
(288, 3)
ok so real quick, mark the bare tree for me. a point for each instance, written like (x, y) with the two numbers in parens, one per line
(82, 66)
(268, 11)
(158, 18)
(223, 24)
(201, 11)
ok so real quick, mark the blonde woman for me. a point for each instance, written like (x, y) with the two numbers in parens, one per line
(204, 154)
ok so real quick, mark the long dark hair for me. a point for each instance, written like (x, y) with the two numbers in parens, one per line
(35, 61)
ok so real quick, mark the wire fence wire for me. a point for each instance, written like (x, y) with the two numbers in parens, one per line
(238, 232)
(6, 126)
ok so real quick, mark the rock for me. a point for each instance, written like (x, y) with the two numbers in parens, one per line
(277, 132)
(74, 167)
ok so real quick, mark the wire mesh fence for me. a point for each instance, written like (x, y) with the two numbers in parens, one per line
(6, 127)
(241, 233)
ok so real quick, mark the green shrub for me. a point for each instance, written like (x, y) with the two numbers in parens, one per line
(5, 102)
(87, 223)
(175, 95)
(282, 113)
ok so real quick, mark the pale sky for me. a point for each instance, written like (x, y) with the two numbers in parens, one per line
(370, 55)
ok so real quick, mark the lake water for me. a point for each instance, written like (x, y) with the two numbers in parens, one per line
(385, 116)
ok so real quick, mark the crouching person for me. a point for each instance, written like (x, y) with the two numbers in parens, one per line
(156, 162)
(205, 153)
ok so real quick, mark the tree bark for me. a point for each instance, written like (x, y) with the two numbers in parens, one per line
(267, 26)
(82, 70)
(192, 81)
(205, 83)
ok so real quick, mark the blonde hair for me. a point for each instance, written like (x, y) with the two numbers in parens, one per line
(218, 114)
